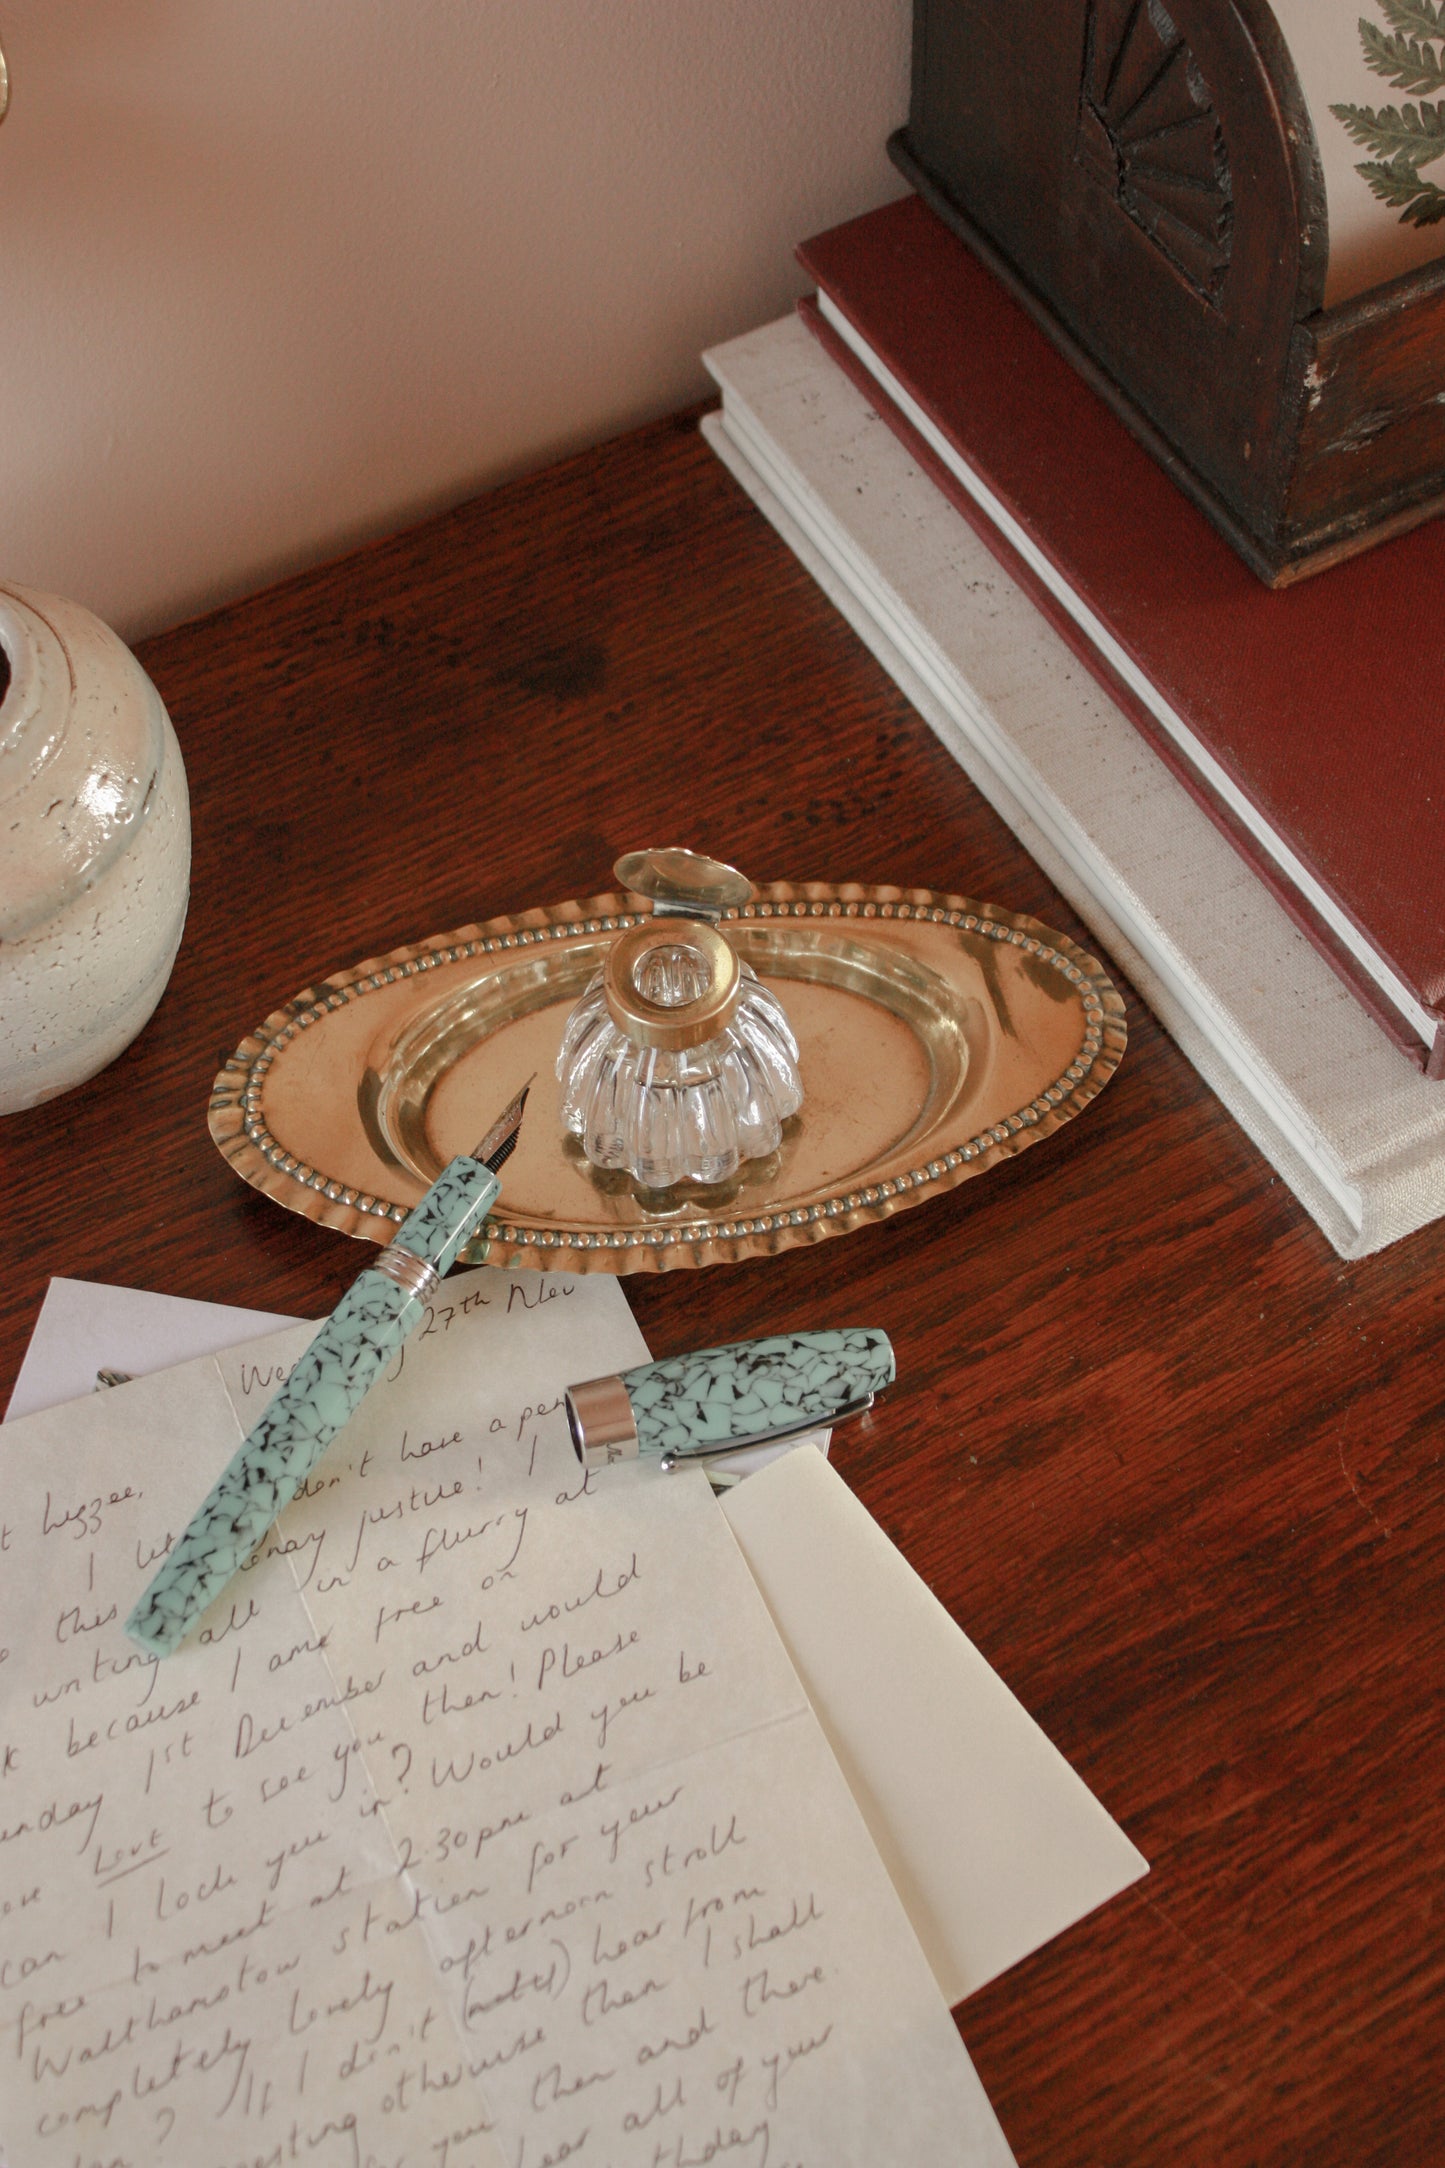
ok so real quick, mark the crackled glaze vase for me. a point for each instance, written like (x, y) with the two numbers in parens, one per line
(95, 846)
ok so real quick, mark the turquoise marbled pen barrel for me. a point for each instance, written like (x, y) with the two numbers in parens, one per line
(753, 1392)
(376, 1315)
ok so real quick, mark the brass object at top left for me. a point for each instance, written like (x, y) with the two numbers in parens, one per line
(4, 85)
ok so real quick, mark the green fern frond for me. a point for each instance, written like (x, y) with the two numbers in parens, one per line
(1405, 64)
(1411, 135)
(1361, 122)
(1428, 208)
(1420, 18)
(1420, 203)
(1410, 54)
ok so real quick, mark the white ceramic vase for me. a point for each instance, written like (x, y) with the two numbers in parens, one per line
(95, 846)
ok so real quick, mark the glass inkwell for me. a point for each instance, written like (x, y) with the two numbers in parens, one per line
(677, 1064)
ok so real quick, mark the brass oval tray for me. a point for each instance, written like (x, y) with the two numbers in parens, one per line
(937, 1036)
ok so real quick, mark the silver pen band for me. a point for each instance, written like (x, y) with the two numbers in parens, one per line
(599, 1415)
(409, 1271)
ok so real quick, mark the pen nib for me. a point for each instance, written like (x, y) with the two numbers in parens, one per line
(500, 1141)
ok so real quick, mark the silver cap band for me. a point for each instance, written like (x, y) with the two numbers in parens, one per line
(602, 1423)
(409, 1271)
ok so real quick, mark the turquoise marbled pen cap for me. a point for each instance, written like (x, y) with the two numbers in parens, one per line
(751, 1393)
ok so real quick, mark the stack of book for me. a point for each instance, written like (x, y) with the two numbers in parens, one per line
(1238, 790)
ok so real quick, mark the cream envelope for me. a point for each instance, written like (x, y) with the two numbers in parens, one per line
(991, 1840)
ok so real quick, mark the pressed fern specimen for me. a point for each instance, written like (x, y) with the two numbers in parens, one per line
(1410, 54)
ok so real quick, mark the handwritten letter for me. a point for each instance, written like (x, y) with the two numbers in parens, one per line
(483, 1824)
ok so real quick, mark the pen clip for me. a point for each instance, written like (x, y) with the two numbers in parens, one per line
(683, 1456)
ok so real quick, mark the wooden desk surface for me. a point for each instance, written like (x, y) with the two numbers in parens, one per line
(1173, 1466)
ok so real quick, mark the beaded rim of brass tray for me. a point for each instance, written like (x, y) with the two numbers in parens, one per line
(239, 1126)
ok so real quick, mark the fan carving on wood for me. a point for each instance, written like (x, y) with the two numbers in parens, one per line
(1149, 132)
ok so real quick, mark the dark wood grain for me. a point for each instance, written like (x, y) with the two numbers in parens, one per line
(1174, 1467)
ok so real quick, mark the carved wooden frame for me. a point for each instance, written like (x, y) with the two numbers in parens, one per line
(1145, 178)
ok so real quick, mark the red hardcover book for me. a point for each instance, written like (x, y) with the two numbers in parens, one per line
(1308, 720)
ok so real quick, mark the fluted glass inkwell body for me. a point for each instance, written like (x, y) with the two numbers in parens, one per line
(678, 1064)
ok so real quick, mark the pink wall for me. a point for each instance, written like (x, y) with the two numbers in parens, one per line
(280, 274)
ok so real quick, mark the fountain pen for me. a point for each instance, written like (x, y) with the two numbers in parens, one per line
(380, 1310)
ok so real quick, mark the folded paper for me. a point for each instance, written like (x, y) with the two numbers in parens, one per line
(484, 1819)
